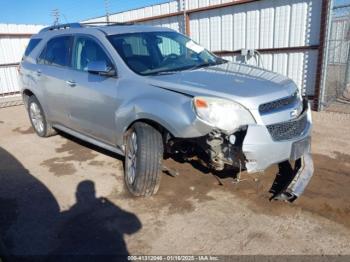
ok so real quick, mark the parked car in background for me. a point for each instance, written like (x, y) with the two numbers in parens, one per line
(149, 92)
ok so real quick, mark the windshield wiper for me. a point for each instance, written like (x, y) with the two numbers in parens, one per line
(202, 65)
(175, 70)
(168, 72)
(161, 73)
(207, 64)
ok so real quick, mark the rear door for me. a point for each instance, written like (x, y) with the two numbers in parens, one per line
(53, 67)
(92, 97)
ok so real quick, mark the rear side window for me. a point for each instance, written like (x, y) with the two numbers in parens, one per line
(31, 45)
(57, 52)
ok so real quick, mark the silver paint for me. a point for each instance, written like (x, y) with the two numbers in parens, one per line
(100, 109)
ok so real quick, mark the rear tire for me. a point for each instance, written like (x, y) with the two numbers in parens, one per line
(38, 119)
(143, 160)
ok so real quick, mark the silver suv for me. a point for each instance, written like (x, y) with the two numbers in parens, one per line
(149, 92)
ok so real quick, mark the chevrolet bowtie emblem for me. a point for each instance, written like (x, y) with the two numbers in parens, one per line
(294, 113)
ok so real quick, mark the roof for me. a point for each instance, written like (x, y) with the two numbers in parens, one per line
(112, 30)
(108, 29)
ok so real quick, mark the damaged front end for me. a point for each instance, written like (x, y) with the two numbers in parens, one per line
(287, 144)
(255, 147)
(217, 151)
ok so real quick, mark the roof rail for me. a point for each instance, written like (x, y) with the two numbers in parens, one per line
(106, 23)
(80, 25)
(61, 26)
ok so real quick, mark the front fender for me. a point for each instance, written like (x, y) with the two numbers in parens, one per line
(172, 111)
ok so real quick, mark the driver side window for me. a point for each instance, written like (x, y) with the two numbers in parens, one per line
(168, 46)
(87, 50)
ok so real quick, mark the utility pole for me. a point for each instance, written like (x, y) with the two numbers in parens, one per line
(107, 5)
(346, 92)
(55, 13)
(183, 6)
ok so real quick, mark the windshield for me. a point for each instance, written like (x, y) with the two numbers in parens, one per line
(150, 53)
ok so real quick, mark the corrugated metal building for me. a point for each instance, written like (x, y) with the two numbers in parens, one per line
(339, 40)
(286, 32)
(13, 41)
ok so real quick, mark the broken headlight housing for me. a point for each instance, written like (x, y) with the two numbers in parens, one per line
(221, 113)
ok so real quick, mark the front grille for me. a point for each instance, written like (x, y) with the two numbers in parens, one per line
(278, 104)
(288, 130)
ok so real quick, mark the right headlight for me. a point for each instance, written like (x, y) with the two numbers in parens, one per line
(221, 113)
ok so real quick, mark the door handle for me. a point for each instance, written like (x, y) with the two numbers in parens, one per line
(71, 83)
(38, 72)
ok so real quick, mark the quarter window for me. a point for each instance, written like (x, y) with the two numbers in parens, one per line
(31, 45)
(87, 50)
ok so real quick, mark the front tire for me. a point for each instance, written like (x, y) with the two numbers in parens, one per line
(38, 119)
(143, 159)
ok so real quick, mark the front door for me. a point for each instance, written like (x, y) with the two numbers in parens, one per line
(92, 97)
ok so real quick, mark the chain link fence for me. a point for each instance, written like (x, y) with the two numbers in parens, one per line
(337, 84)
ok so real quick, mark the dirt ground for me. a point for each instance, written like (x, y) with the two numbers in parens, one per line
(60, 195)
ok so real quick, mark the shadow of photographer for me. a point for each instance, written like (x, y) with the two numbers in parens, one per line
(32, 226)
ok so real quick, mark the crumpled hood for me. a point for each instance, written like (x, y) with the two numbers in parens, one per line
(247, 85)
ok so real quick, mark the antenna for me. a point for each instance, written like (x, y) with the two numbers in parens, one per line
(107, 5)
(55, 13)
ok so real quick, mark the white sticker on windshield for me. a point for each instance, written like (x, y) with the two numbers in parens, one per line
(194, 47)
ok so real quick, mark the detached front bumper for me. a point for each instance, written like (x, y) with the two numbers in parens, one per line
(261, 150)
(291, 182)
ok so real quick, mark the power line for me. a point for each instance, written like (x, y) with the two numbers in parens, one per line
(65, 17)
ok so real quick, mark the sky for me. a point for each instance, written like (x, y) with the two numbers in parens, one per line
(39, 11)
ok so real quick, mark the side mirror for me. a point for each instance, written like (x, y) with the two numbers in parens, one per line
(101, 68)
(159, 40)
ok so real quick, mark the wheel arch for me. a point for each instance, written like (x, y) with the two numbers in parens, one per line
(26, 93)
(153, 123)
(170, 112)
